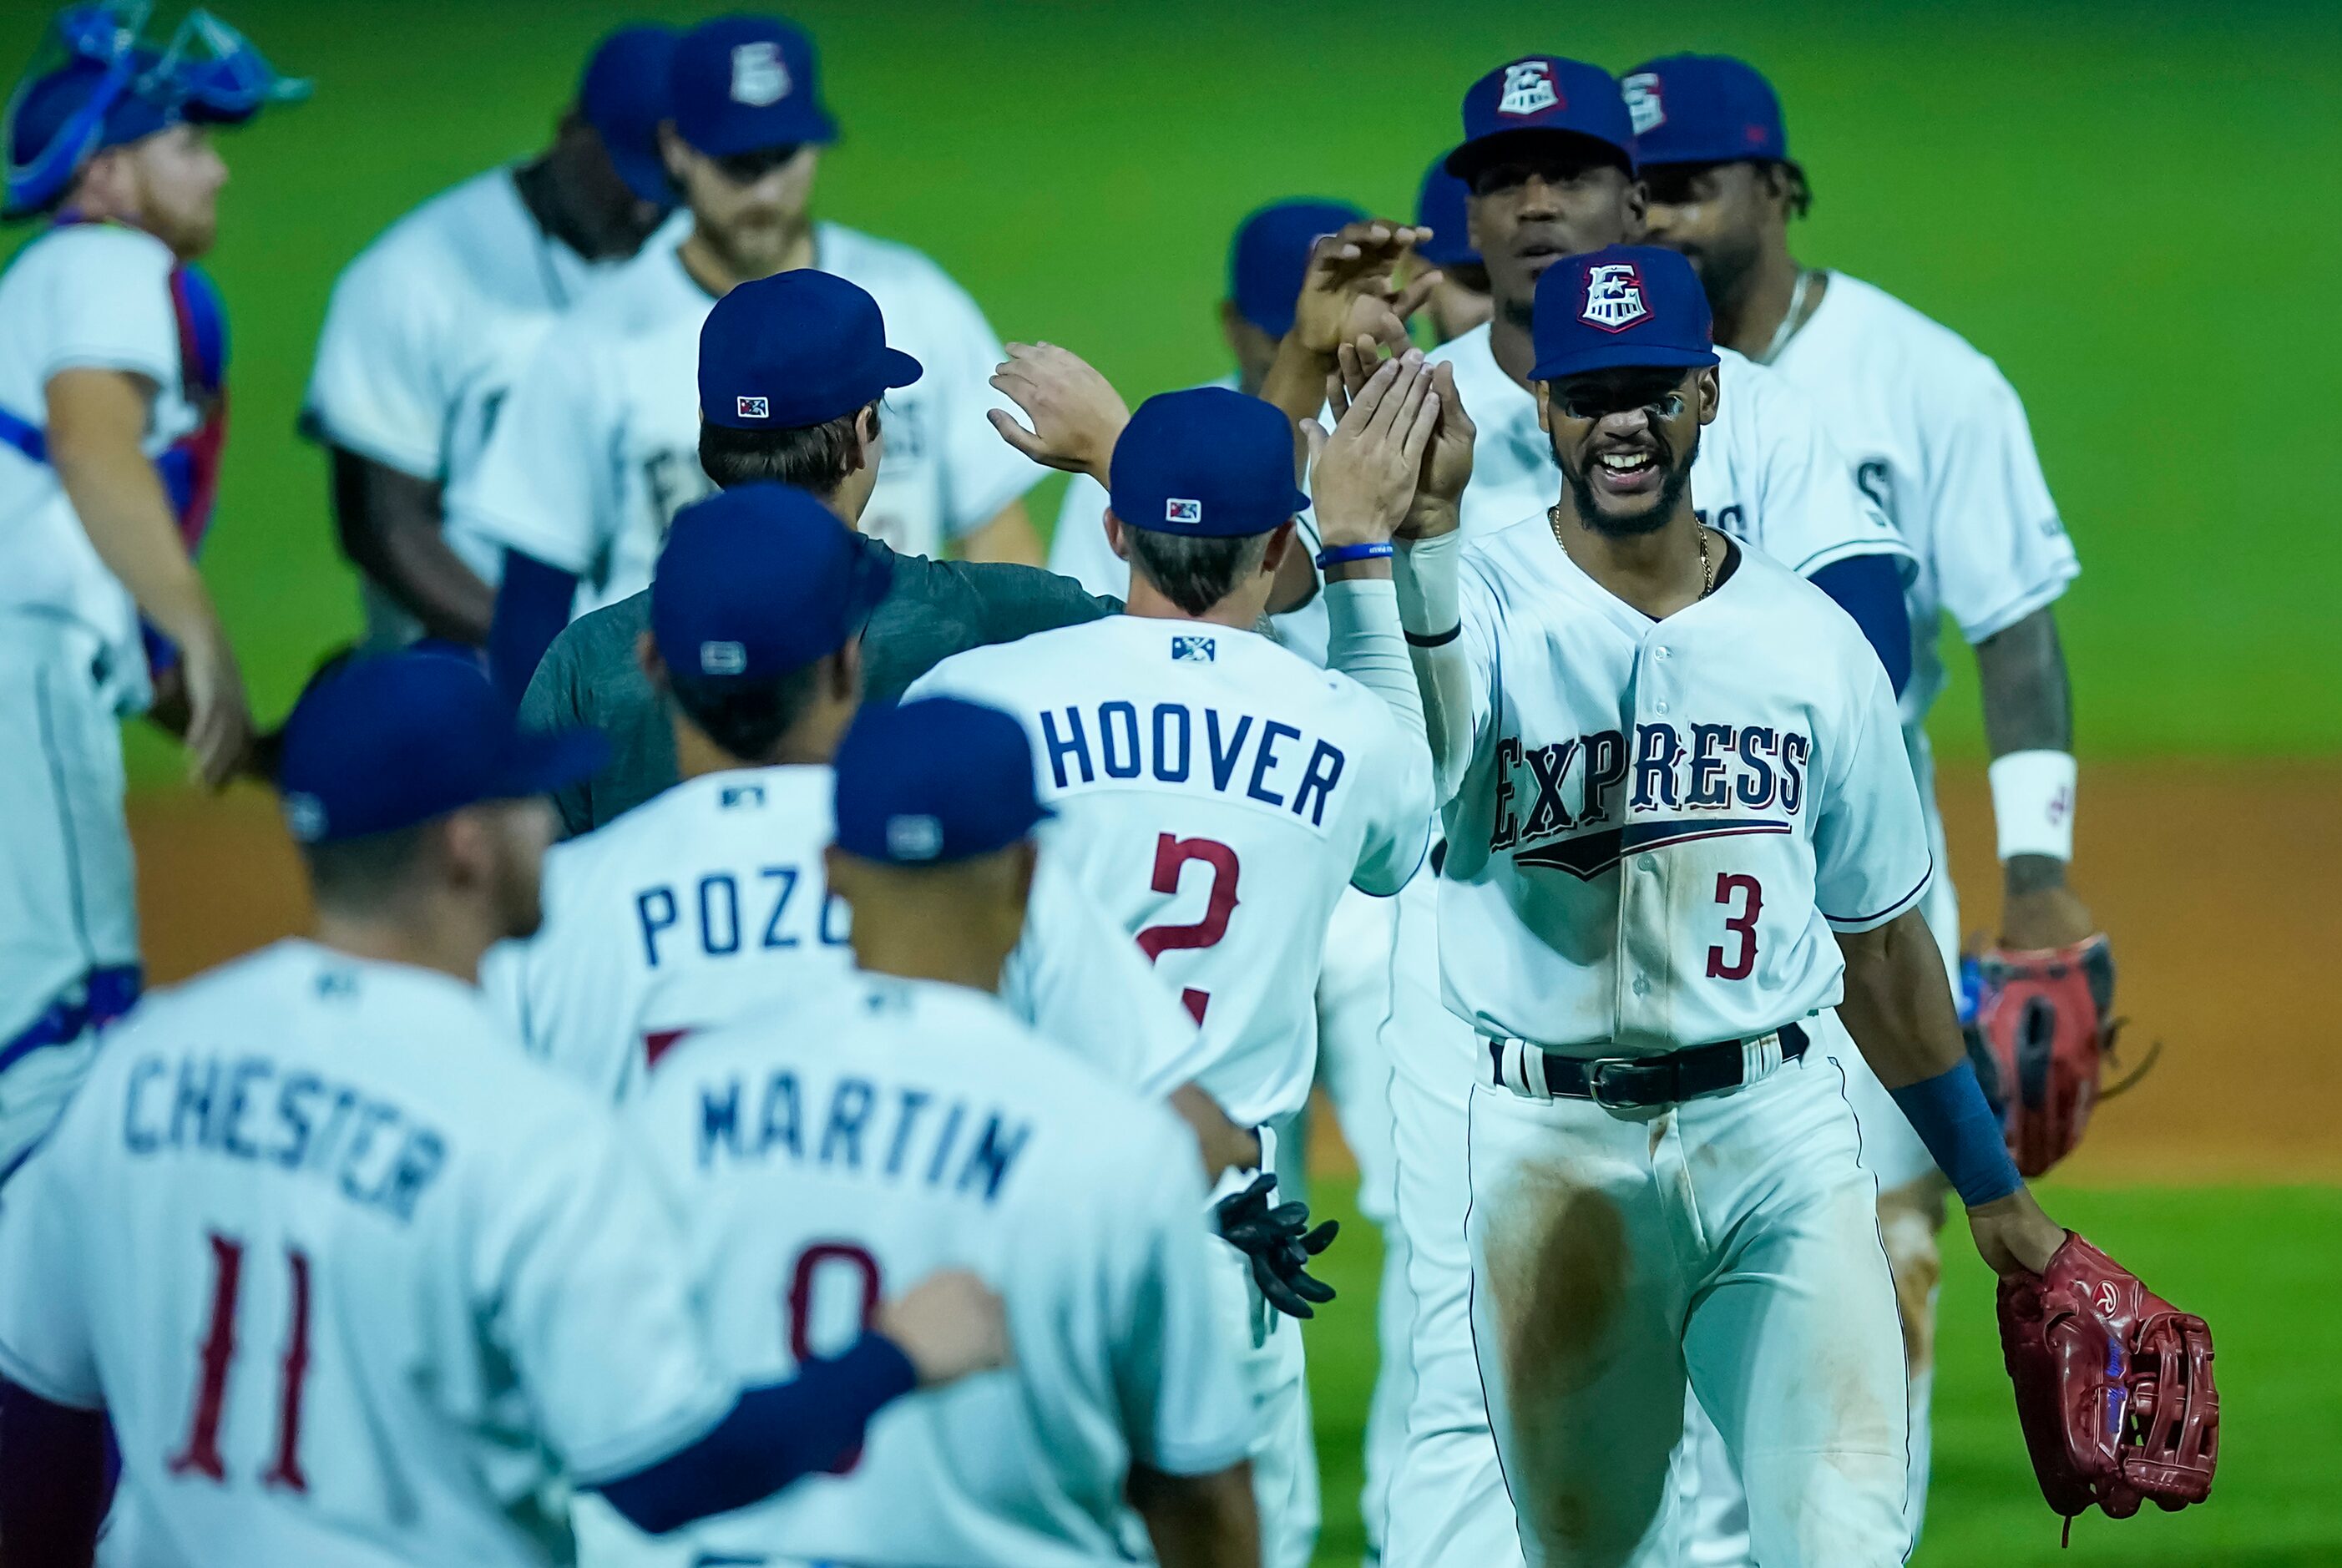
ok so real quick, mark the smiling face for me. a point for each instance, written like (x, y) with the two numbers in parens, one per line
(1540, 195)
(1625, 439)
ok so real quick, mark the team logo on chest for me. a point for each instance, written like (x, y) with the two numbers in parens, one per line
(1528, 88)
(760, 78)
(1646, 101)
(1613, 297)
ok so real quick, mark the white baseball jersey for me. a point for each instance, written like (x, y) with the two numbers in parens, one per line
(1664, 821)
(347, 1275)
(94, 297)
(597, 448)
(1768, 472)
(1214, 794)
(709, 903)
(906, 1126)
(1939, 443)
(433, 322)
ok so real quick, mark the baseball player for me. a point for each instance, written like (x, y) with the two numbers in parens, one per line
(806, 355)
(1265, 263)
(433, 322)
(709, 903)
(1215, 791)
(113, 419)
(593, 452)
(345, 1273)
(908, 1122)
(1684, 859)
(1939, 440)
(1460, 300)
(1547, 155)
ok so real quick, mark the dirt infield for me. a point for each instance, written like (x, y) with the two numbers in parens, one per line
(2211, 877)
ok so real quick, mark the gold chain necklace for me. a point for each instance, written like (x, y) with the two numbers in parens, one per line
(1706, 567)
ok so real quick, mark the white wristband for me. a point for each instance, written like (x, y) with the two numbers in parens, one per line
(1429, 601)
(2033, 803)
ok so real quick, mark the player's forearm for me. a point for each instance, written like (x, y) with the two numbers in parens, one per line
(1899, 1004)
(1430, 608)
(1365, 642)
(1009, 536)
(2028, 708)
(96, 419)
(1223, 1145)
(1199, 1521)
(392, 527)
(1295, 382)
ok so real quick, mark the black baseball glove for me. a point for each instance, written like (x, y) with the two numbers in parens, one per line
(1279, 1243)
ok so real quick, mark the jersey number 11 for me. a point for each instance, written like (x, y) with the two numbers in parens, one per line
(200, 1455)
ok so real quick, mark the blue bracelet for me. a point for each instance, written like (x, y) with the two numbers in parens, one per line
(1953, 1118)
(1334, 554)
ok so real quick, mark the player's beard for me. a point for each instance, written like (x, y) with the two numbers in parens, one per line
(1670, 496)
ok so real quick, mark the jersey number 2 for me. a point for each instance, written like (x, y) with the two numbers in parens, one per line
(1171, 854)
(200, 1455)
(817, 1257)
(1742, 961)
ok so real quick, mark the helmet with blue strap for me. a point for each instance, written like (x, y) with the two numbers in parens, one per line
(111, 90)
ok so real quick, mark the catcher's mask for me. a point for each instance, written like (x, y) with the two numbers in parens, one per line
(95, 85)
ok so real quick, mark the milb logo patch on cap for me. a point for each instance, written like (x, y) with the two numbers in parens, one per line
(1613, 297)
(756, 407)
(1190, 512)
(1528, 88)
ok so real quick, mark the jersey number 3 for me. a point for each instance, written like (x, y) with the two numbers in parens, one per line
(1171, 855)
(200, 1455)
(1740, 961)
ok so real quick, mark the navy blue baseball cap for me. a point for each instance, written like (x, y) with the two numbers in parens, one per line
(748, 84)
(623, 96)
(389, 741)
(1207, 462)
(1622, 306)
(796, 350)
(1548, 93)
(1704, 109)
(935, 781)
(1441, 206)
(1271, 255)
(759, 581)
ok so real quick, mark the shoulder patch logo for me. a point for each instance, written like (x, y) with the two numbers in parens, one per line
(1613, 297)
(1646, 101)
(1194, 650)
(1190, 512)
(760, 78)
(1528, 88)
(756, 408)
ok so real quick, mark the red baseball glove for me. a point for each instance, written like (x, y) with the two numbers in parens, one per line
(2113, 1386)
(2041, 1041)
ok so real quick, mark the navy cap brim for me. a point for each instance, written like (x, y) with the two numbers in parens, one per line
(1480, 151)
(900, 369)
(644, 173)
(808, 128)
(541, 763)
(1624, 356)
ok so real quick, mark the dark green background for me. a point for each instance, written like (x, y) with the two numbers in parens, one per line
(2131, 209)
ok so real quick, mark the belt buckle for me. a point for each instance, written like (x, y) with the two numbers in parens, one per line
(1594, 1072)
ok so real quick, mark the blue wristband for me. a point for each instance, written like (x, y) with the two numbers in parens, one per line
(1953, 1118)
(1334, 554)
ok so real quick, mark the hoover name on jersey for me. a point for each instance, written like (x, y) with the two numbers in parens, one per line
(1584, 804)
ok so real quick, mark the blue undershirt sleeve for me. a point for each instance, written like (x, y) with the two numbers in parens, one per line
(1870, 589)
(774, 1435)
(532, 606)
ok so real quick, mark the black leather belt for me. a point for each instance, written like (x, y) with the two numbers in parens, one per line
(1629, 1082)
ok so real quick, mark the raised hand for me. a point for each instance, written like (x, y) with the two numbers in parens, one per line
(1352, 288)
(1076, 414)
(1368, 473)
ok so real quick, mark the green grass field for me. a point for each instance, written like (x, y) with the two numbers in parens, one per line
(2250, 1259)
(2122, 204)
